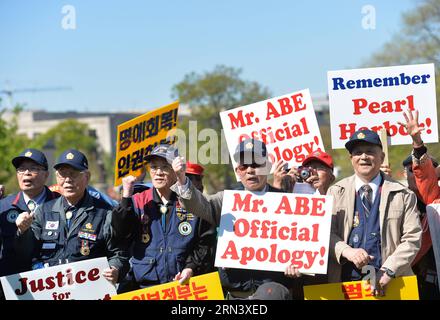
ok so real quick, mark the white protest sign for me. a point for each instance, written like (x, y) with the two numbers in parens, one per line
(433, 212)
(376, 98)
(74, 281)
(286, 124)
(270, 231)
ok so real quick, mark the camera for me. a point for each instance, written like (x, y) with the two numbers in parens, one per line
(304, 173)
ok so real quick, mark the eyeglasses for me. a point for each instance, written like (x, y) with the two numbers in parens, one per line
(72, 174)
(243, 167)
(33, 170)
(165, 168)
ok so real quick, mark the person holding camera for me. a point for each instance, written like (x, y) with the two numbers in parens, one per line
(316, 170)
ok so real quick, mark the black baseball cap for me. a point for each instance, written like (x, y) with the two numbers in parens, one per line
(271, 291)
(250, 151)
(165, 151)
(73, 158)
(359, 136)
(31, 154)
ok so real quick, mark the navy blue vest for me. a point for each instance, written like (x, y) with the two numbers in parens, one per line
(157, 255)
(364, 234)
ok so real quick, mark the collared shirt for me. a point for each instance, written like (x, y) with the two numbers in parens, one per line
(170, 203)
(38, 199)
(374, 184)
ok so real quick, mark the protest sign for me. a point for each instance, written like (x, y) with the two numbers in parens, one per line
(270, 231)
(204, 287)
(375, 98)
(137, 137)
(74, 281)
(404, 288)
(286, 124)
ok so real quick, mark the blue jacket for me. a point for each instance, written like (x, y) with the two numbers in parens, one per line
(50, 242)
(10, 208)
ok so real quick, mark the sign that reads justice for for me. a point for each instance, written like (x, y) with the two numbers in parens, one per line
(286, 124)
(376, 98)
(270, 231)
(74, 281)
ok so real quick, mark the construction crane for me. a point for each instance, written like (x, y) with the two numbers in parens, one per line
(10, 93)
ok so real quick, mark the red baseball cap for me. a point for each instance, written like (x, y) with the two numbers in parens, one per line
(320, 156)
(193, 168)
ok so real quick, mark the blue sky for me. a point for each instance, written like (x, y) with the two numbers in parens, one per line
(128, 54)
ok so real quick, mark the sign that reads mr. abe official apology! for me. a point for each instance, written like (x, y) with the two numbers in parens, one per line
(270, 231)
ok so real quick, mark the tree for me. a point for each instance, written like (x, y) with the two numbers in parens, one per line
(11, 144)
(207, 95)
(417, 42)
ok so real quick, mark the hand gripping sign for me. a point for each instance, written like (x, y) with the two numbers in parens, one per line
(375, 98)
(270, 231)
(74, 281)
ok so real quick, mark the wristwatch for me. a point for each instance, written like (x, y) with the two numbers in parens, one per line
(389, 272)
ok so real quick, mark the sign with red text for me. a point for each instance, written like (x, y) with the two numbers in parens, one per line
(286, 124)
(375, 98)
(402, 288)
(270, 231)
(137, 138)
(74, 281)
(203, 287)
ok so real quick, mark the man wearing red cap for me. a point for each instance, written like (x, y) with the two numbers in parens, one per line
(318, 163)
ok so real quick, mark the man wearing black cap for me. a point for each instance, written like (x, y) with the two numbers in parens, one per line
(74, 227)
(253, 167)
(31, 167)
(166, 238)
(375, 219)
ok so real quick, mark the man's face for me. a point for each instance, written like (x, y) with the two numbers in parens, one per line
(162, 174)
(253, 176)
(366, 159)
(31, 177)
(325, 175)
(72, 181)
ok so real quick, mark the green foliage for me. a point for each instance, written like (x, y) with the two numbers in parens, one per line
(11, 144)
(207, 95)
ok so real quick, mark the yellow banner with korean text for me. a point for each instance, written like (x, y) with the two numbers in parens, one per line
(204, 287)
(137, 137)
(404, 288)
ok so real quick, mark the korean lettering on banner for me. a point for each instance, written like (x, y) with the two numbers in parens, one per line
(74, 281)
(375, 98)
(204, 287)
(274, 230)
(401, 288)
(138, 137)
(286, 124)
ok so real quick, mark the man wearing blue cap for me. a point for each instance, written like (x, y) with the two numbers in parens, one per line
(253, 167)
(375, 219)
(31, 168)
(74, 227)
(168, 243)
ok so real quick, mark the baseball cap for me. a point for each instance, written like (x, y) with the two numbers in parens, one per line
(73, 158)
(250, 151)
(320, 156)
(271, 291)
(165, 151)
(193, 168)
(31, 154)
(363, 136)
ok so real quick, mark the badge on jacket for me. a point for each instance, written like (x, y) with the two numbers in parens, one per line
(356, 219)
(185, 228)
(85, 249)
(145, 238)
(12, 216)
